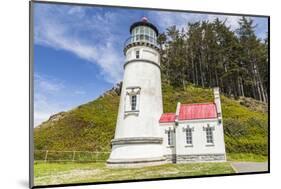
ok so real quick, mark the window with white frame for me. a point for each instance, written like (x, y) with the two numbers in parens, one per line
(170, 137)
(209, 134)
(188, 137)
(132, 100)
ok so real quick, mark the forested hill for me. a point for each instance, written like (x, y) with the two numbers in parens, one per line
(210, 54)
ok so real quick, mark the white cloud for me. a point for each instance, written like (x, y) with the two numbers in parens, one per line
(44, 108)
(47, 84)
(88, 37)
(180, 19)
(62, 28)
(45, 88)
(231, 21)
(165, 19)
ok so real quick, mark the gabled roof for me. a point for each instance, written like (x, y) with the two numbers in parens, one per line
(197, 111)
(167, 118)
(191, 112)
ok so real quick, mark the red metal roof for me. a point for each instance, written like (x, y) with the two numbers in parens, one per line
(167, 117)
(197, 111)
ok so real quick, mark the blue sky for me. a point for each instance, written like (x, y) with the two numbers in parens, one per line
(78, 50)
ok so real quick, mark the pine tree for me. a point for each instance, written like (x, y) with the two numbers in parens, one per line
(210, 54)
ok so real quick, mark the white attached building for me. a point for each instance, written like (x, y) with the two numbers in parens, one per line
(146, 136)
(194, 133)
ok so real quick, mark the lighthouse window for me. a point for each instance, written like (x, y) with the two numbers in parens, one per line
(133, 102)
(146, 31)
(133, 32)
(151, 33)
(146, 37)
(142, 30)
(137, 54)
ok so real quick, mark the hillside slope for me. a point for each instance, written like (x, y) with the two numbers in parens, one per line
(91, 126)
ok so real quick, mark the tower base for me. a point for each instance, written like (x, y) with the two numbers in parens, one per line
(135, 163)
(136, 152)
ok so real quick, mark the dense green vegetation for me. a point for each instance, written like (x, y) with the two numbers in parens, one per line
(61, 173)
(91, 126)
(211, 54)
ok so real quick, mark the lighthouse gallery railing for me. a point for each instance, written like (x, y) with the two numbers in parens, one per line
(141, 39)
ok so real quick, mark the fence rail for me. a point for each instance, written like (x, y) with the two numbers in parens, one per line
(68, 156)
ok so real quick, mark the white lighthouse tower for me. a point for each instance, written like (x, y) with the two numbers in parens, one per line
(138, 140)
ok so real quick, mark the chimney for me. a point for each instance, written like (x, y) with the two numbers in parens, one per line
(177, 113)
(217, 100)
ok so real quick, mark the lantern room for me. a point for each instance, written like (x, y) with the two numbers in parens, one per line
(142, 33)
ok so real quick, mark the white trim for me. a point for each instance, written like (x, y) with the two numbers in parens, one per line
(198, 120)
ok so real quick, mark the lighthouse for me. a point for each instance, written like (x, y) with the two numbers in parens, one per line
(138, 140)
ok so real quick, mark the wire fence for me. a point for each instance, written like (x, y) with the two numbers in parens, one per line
(70, 156)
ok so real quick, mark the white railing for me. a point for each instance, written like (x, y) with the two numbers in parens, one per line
(141, 38)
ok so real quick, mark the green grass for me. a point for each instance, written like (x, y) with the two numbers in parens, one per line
(246, 157)
(63, 173)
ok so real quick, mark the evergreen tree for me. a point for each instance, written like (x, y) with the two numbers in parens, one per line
(210, 54)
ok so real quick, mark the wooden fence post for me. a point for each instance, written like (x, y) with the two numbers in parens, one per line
(73, 158)
(96, 156)
(46, 156)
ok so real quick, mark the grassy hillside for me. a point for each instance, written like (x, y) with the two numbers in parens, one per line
(91, 126)
(88, 127)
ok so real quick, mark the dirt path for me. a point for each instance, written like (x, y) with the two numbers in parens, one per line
(244, 167)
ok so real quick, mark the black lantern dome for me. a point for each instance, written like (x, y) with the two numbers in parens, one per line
(144, 22)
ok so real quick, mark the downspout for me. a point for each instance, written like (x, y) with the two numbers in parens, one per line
(175, 129)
